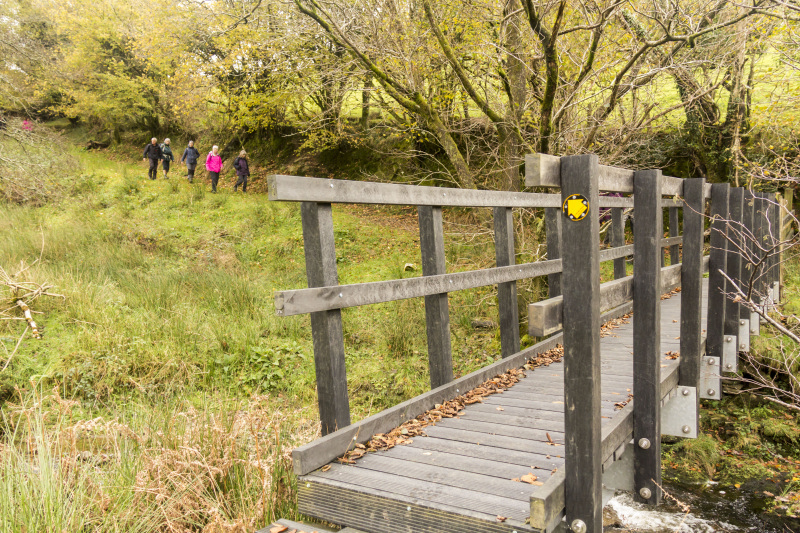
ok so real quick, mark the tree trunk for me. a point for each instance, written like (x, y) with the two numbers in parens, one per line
(365, 107)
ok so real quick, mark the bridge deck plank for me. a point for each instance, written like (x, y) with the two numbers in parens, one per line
(464, 466)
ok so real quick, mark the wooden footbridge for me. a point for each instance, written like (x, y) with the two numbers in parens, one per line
(544, 453)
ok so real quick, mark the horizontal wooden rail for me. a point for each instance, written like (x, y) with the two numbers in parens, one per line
(542, 170)
(321, 190)
(544, 318)
(671, 241)
(301, 301)
(312, 300)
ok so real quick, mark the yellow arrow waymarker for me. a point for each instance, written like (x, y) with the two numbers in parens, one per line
(576, 207)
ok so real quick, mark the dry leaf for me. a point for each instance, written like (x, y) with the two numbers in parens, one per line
(528, 478)
(537, 483)
(501, 518)
(326, 468)
(499, 409)
(277, 528)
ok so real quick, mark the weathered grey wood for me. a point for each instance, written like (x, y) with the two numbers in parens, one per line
(451, 477)
(302, 301)
(648, 229)
(692, 282)
(507, 305)
(775, 232)
(321, 451)
(733, 260)
(552, 223)
(326, 326)
(503, 442)
(507, 418)
(545, 172)
(618, 240)
(617, 432)
(548, 502)
(429, 491)
(301, 189)
(717, 265)
(464, 463)
(613, 254)
(546, 317)
(468, 423)
(749, 232)
(376, 510)
(437, 313)
(581, 310)
(470, 449)
(674, 233)
(762, 237)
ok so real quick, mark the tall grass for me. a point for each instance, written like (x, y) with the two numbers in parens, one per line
(180, 469)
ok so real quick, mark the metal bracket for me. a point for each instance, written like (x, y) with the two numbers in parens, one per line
(744, 335)
(755, 324)
(679, 415)
(710, 382)
(776, 292)
(618, 472)
(730, 354)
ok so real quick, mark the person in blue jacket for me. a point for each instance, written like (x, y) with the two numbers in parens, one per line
(189, 158)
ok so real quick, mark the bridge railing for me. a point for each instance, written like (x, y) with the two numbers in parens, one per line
(578, 302)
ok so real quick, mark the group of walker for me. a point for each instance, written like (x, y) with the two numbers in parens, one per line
(155, 152)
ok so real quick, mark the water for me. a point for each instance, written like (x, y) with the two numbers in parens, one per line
(712, 509)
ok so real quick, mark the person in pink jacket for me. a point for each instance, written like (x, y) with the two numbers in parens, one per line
(214, 166)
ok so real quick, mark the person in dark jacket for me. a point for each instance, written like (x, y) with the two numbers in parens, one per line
(242, 171)
(166, 157)
(189, 158)
(152, 152)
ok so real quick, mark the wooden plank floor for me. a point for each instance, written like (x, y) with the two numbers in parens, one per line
(459, 477)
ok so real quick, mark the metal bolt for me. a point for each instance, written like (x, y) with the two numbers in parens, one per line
(741, 322)
(331, 185)
(685, 392)
(728, 366)
(712, 361)
(686, 429)
(711, 392)
(752, 332)
(644, 444)
(340, 295)
(578, 526)
(645, 493)
(728, 339)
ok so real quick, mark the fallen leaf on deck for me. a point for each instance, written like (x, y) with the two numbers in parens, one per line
(499, 409)
(326, 468)
(278, 529)
(528, 478)
(501, 518)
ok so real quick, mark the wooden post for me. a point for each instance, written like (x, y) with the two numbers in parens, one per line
(437, 316)
(748, 209)
(761, 233)
(692, 282)
(552, 224)
(618, 239)
(786, 223)
(733, 261)
(326, 326)
(581, 312)
(775, 210)
(717, 262)
(647, 235)
(508, 307)
(674, 231)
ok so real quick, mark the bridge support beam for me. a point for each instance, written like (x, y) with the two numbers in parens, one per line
(618, 239)
(581, 317)
(647, 335)
(692, 282)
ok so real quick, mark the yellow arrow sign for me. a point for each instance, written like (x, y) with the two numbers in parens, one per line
(576, 207)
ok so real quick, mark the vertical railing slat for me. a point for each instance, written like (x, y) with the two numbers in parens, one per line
(581, 317)
(552, 224)
(326, 326)
(733, 266)
(692, 282)
(437, 316)
(508, 307)
(618, 239)
(748, 207)
(717, 262)
(674, 231)
(648, 231)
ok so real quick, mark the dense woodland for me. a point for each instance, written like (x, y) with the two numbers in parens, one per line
(454, 92)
